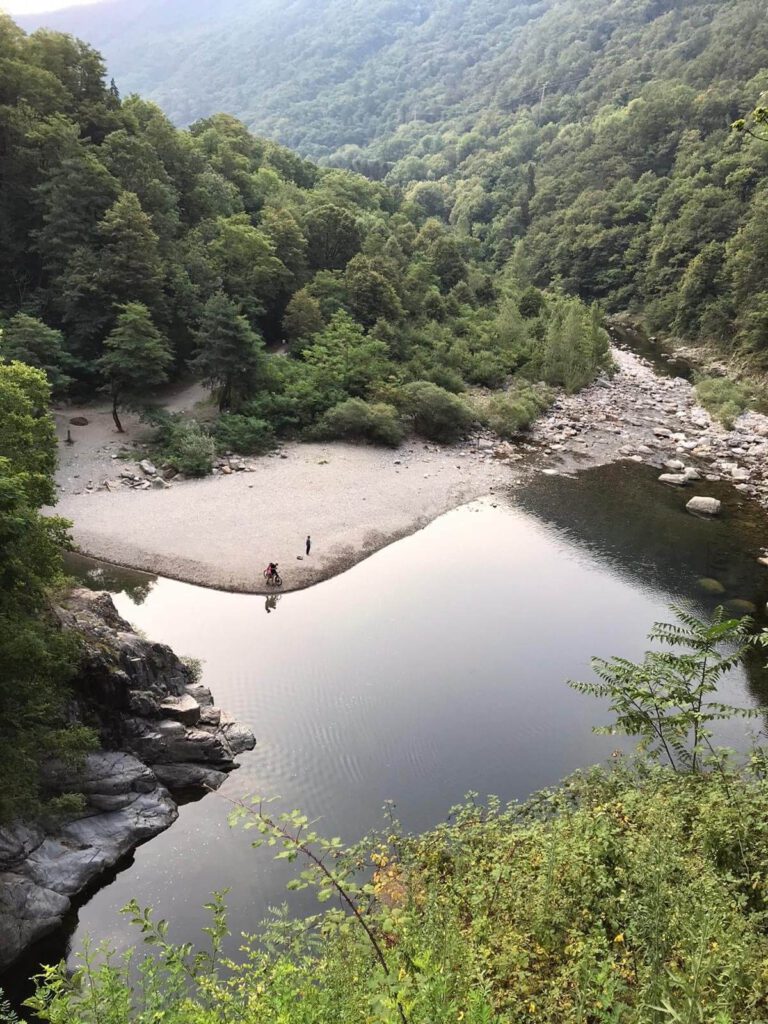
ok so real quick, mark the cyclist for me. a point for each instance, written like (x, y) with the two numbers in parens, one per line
(271, 571)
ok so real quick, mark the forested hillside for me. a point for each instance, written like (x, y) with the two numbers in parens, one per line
(596, 130)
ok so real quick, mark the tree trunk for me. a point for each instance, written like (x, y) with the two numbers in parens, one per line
(115, 417)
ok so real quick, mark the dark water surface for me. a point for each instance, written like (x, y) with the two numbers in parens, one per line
(437, 666)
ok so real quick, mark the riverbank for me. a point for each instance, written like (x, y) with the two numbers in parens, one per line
(353, 500)
(159, 735)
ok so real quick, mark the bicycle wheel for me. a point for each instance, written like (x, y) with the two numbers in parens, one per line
(278, 580)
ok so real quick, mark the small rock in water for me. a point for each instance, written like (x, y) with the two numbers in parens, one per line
(674, 479)
(710, 585)
(740, 607)
(675, 466)
(701, 506)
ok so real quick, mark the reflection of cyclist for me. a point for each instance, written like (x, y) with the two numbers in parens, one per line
(271, 603)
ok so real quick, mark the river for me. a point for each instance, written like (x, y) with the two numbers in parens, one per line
(437, 666)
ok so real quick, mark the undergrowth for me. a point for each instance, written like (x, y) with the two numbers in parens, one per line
(630, 894)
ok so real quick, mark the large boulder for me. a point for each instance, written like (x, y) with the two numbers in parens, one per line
(701, 506)
(189, 776)
(27, 913)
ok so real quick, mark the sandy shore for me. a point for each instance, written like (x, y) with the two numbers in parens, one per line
(221, 532)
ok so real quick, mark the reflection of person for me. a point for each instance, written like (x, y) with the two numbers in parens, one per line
(271, 603)
(309, 543)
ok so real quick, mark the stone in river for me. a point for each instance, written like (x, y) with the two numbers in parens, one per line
(710, 585)
(674, 479)
(691, 474)
(701, 506)
(740, 607)
(674, 466)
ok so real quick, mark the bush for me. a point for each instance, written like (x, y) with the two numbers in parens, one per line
(182, 442)
(615, 893)
(724, 398)
(246, 435)
(355, 419)
(434, 412)
(508, 414)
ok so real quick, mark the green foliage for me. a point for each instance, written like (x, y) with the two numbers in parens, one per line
(575, 345)
(621, 895)
(28, 340)
(724, 398)
(508, 414)
(183, 443)
(246, 435)
(136, 359)
(36, 657)
(434, 412)
(230, 354)
(667, 700)
(357, 420)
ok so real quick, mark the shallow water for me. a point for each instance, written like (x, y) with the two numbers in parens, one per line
(437, 666)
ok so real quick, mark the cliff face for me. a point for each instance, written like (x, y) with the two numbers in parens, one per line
(160, 732)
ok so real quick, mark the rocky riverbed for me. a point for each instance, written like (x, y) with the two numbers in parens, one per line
(161, 733)
(637, 415)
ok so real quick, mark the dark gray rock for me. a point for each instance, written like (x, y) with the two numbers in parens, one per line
(27, 913)
(188, 776)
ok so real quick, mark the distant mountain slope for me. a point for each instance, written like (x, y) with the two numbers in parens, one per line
(322, 74)
(595, 131)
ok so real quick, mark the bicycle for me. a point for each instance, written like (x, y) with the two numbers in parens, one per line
(274, 579)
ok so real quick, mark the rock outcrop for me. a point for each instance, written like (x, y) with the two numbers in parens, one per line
(161, 734)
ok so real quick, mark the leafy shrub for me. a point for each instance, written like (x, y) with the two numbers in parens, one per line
(246, 435)
(724, 398)
(508, 414)
(182, 442)
(376, 422)
(435, 413)
(487, 369)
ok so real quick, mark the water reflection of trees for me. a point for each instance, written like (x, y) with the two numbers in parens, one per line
(95, 575)
(623, 517)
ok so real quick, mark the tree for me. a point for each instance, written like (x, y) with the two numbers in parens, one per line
(370, 295)
(333, 237)
(137, 358)
(249, 269)
(344, 360)
(230, 354)
(130, 266)
(30, 341)
(73, 200)
(36, 658)
(303, 319)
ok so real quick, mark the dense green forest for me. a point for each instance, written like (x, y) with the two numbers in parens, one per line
(131, 250)
(596, 131)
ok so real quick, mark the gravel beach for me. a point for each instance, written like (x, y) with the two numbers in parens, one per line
(354, 499)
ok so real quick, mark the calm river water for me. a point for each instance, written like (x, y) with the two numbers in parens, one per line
(437, 666)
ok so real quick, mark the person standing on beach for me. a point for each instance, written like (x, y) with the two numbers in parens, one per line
(309, 543)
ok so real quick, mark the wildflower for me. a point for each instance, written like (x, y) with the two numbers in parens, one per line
(619, 937)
